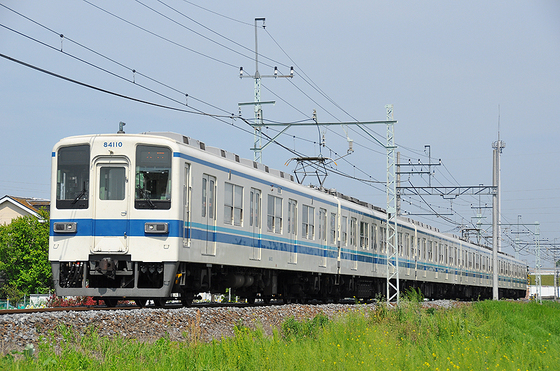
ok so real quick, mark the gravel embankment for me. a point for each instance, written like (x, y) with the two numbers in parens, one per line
(191, 324)
(184, 324)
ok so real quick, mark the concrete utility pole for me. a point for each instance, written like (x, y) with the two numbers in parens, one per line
(496, 235)
(257, 103)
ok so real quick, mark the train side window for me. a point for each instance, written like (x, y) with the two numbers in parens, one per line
(292, 219)
(406, 245)
(323, 225)
(308, 222)
(344, 230)
(233, 204)
(204, 195)
(255, 206)
(430, 252)
(274, 214)
(333, 229)
(364, 235)
(383, 238)
(353, 225)
(456, 257)
(374, 237)
(208, 196)
(72, 177)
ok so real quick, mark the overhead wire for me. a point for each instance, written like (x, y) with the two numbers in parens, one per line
(160, 37)
(193, 31)
(168, 86)
(121, 77)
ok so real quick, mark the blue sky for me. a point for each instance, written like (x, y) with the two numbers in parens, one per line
(452, 70)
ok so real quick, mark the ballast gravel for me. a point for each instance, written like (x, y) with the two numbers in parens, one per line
(198, 324)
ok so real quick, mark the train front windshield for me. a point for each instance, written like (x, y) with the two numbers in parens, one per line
(153, 177)
(72, 177)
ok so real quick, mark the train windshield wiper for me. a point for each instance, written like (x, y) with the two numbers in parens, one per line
(145, 194)
(152, 205)
(80, 195)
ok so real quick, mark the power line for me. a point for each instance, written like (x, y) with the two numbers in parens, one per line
(105, 90)
(107, 58)
(121, 77)
(161, 37)
(193, 31)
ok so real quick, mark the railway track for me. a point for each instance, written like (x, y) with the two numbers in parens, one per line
(131, 307)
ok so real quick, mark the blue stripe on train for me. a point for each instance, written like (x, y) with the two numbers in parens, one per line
(116, 227)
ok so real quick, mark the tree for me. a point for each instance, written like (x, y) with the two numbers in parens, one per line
(24, 256)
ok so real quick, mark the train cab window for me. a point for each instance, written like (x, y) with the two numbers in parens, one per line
(72, 177)
(153, 177)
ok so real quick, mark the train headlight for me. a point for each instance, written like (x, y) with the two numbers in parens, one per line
(160, 228)
(65, 227)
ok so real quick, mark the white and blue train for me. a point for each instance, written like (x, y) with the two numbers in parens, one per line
(160, 216)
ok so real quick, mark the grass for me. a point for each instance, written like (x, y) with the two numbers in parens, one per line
(546, 280)
(494, 335)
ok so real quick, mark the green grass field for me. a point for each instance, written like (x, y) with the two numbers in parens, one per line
(485, 335)
(546, 280)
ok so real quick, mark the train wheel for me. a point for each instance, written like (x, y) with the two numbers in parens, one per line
(141, 302)
(251, 300)
(111, 303)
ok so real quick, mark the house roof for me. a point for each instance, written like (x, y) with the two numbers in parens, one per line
(31, 205)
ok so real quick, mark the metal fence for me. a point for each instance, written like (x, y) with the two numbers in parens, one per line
(31, 301)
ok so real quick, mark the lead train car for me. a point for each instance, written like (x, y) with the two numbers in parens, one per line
(160, 216)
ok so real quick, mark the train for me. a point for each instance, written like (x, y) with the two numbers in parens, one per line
(161, 216)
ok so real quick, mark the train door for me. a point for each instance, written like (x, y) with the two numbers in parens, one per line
(208, 214)
(111, 210)
(186, 206)
(255, 223)
(292, 231)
